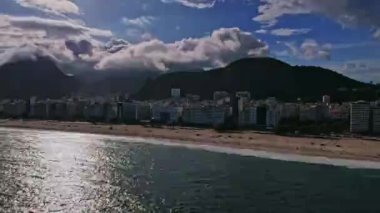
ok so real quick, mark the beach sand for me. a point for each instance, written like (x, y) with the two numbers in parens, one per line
(344, 148)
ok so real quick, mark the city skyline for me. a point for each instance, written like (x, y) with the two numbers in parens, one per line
(342, 35)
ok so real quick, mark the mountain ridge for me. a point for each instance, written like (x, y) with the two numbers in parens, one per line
(263, 77)
(40, 77)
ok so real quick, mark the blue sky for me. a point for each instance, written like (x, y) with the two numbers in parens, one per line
(343, 35)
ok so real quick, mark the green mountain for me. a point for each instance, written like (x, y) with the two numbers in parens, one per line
(263, 77)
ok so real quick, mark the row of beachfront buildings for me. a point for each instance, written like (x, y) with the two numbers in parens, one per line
(238, 108)
(365, 117)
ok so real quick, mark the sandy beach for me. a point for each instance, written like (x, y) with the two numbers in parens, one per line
(344, 148)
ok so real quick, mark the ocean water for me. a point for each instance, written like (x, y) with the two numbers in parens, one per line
(47, 171)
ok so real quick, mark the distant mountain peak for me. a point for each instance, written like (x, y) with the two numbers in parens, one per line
(38, 76)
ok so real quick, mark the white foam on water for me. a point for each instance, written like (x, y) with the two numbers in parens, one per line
(352, 164)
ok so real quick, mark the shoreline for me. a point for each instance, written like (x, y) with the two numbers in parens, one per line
(343, 148)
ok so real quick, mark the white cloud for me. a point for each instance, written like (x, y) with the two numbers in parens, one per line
(289, 32)
(223, 46)
(311, 49)
(220, 48)
(141, 22)
(261, 31)
(62, 40)
(138, 35)
(308, 50)
(54, 50)
(51, 27)
(68, 41)
(199, 4)
(271, 10)
(376, 34)
(51, 6)
(348, 13)
(138, 28)
(363, 70)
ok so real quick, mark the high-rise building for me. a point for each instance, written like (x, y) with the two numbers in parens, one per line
(261, 116)
(205, 115)
(175, 93)
(360, 117)
(243, 98)
(375, 120)
(218, 95)
(273, 116)
(243, 94)
(326, 99)
(248, 117)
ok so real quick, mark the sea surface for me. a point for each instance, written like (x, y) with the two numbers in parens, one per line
(49, 171)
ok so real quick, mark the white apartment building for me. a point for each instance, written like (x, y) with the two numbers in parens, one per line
(360, 115)
(219, 95)
(136, 111)
(313, 113)
(290, 111)
(110, 111)
(273, 116)
(39, 109)
(248, 116)
(166, 113)
(71, 109)
(204, 115)
(175, 92)
(15, 109)
(94, 111)
(339, 112)
(376, 120)
(144, 111)
(326, 99)
(129, 111)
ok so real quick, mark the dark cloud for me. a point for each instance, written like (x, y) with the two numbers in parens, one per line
(79, 47)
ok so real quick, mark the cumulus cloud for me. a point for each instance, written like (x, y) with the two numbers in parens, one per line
(289, 32)
(221, 47)
(54, 51)
(364, 70)
(138, 28)
(15, 31)
(348, 13)
(199, 4)
(261, 31)
(308, 50)
(52, 27)
(67, 41)
(62, 40)
(57, 7)
(142, 21)
(311, 49)
(376, 34)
